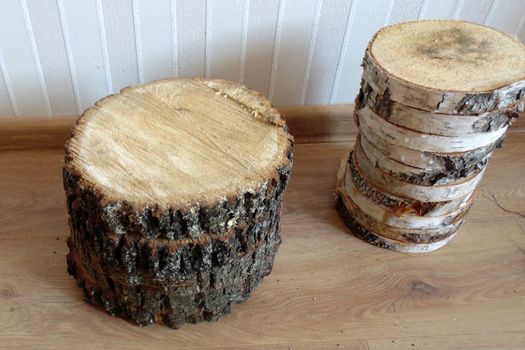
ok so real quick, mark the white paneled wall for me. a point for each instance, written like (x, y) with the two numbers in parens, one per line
(57, 57)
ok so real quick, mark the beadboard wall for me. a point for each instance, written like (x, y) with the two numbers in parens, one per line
(57, 57)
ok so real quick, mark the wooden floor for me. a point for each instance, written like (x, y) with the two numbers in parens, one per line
(328, 289)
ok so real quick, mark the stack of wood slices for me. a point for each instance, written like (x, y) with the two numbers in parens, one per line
(436, 99)
(174, 192)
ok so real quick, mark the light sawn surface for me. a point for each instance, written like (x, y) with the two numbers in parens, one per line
(327, 287)
(450, 55)
(214, 137)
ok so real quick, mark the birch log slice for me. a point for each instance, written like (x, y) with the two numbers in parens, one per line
(415, 175)
(446, 66)
(383, 235)
(401, 136)
(438, 165)
(394, 216)
(436, 123)
(174, 191)
(436, 193)
(397, 204)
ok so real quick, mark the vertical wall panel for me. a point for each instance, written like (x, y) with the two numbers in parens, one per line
(329, 39)
(6, 107)
(52, 52)
(121, 41)
(290, 60)
(60, 56)
(191, 37)
(405, 10)
(521, 34)
(260, 38)
(224, 38)
(432, 9)
(154, 29)
(520, 31)
(474, 10)
(502, 15)
(21, 61)
(366, 19)
(82, 33)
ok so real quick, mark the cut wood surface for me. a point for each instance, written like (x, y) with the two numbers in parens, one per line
(328, 289)
(215, 139)
(446, 66)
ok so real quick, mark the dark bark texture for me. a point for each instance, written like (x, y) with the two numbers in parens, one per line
(376, 239)
(175, 265)
(449, 167)
(193, 283)
(383, 106)
(393, 202)
(357, 229)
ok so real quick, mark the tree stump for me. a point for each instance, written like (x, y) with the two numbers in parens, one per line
(174, 192)
(436, 99)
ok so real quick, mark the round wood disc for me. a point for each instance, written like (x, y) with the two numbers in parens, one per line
(446, 66)
(174, 142)
(380, 234)
(450, 55)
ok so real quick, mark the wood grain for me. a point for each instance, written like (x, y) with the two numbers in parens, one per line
(127, 143)
(446, 66)
(448, 55)
(327, 287)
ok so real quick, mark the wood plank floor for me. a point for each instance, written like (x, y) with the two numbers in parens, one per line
(328, 289)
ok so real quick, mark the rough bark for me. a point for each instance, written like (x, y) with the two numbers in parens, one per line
(162, 259)
(192, 222)
(454, 165)
(379, 232)
(404, 235)
(185, 291)
(436, 193)
(435, 123)
(383, 242)
(176, 266)
(415, 175)
(433, 225)
(400, 205)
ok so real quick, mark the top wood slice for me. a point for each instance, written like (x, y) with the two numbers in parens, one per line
(175, 142)
(446, 66)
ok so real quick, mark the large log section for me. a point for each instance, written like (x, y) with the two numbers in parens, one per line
(174, 192)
